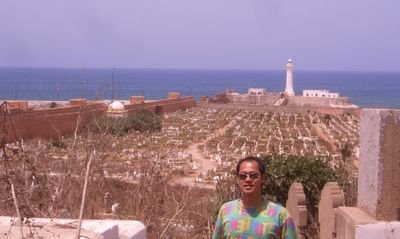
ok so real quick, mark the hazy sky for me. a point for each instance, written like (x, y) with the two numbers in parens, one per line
(206, 34)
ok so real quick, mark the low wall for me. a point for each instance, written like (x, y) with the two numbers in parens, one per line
(318, 101)
(296, 101)
(165, 105)
(267, 99)
(281, 109)
(54, 122)
(354, 223)
(49, 122)
(348, 219)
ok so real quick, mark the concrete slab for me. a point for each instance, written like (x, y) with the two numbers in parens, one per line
(48, 228)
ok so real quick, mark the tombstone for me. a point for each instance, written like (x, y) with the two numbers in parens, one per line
(115, 208)
(107, 202)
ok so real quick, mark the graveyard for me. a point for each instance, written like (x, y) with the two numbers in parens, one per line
(199, 146)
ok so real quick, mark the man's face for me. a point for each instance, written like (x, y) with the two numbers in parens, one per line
(249, 178)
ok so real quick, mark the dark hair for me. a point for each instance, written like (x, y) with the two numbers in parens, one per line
(261, 166)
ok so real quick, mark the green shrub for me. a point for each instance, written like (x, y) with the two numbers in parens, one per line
(144, 120)
(282, 170)
(141, 120)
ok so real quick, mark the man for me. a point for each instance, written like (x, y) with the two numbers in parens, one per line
(251, 216)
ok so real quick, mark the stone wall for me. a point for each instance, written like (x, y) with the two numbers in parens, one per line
(26, 123)
(347, 219)
(165, 105)
(294, 101)
(318, 101)
(49, 122)
(281, 109)
(267, 99)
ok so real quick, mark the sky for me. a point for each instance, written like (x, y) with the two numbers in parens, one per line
(340, 35)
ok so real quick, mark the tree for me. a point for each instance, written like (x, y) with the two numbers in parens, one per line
(140, 120)
(282, 170)
(143, 120)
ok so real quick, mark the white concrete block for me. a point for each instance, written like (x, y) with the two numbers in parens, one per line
(382, 230)
(66, 228)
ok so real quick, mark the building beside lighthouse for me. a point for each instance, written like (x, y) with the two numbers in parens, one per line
(287, 97)
(320, 93)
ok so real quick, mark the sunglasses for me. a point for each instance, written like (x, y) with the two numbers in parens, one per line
(253, 176)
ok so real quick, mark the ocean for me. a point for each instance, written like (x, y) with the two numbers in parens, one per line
(365, 89)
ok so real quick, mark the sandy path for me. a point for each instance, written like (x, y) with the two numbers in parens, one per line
(332, 144)
(203, 163)
(322, 135)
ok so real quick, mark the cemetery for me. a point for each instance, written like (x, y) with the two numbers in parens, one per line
(221, 138)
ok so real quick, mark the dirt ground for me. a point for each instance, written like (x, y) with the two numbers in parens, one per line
(203, 163)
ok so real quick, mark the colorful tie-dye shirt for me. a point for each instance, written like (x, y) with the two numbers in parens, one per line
(267, 221)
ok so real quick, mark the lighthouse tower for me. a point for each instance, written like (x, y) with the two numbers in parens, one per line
(289, 78)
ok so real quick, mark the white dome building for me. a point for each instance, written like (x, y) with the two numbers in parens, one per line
(116, 109)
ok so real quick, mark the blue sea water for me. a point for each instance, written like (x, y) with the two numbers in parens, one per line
(366, 89)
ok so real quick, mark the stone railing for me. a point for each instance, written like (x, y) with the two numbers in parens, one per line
(331, 198)
(296, 204)
(335, 220)
(377, 214)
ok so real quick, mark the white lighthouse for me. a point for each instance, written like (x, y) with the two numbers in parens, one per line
(289, 78)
